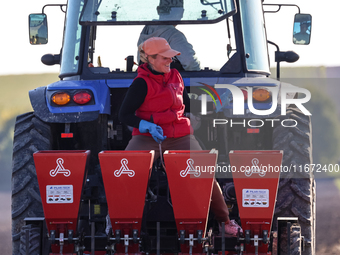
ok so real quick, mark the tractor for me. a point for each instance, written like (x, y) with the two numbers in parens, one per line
(74, 188)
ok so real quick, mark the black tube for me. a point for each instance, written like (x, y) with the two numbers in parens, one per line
(223, 238)
(158, 238)
(92, 238)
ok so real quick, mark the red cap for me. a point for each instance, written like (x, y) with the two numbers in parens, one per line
(158, 45)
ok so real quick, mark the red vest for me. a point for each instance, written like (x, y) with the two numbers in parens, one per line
(163, 104)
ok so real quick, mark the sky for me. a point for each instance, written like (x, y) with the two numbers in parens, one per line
(19, 57)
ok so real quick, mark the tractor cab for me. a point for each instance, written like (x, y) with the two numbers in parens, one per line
(100, 38)
(104, 35)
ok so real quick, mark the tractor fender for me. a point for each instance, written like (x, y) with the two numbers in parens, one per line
(70, 114)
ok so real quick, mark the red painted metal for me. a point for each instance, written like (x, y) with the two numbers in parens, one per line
(96, 253)
(63, 253)
(66, 135)
(138, 253)
(126, 175)
(181, 253)
(253, 130)
(235, 253)
(190, 176)
(61, 176)
(256, 176)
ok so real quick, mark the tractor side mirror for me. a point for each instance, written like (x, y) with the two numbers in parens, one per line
(302, 29)
(38, 29)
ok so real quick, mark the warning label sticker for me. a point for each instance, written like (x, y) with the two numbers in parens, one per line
(255, 198)
(59, 194)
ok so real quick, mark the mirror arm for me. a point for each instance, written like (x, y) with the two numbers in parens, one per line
(202, 2)
(61, 7)
(279, 7)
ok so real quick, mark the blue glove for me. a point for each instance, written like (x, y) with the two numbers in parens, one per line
(155, 130)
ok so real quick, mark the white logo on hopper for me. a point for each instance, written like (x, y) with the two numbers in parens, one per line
(190, 169)
(124, 169)
(255, 169)
(60, 169)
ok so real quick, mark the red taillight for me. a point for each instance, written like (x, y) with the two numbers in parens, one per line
(245, 94)
(82, 97)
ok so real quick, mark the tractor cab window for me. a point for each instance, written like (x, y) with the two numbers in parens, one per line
(113, 44)
(72, 40)
(119, 24)
(120, 12)
(254, 36)
(116, 27)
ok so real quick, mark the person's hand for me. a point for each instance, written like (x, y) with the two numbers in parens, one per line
(155, 130)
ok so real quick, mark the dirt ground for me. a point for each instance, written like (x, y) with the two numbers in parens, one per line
(5, 224)
(327, 219)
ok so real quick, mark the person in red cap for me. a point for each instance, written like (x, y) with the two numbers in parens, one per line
(188, 60)
(154, 106)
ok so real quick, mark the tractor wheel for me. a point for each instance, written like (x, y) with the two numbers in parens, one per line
(30, 135)
(294, 242)
(296, 193)
(30, 240)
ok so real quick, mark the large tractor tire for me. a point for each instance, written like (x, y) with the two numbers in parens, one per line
(296, 193)
(294, 241)
(30, 135)
(30, 240)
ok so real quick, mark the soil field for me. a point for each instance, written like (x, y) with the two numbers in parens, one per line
(5, 224)
(327, 219)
